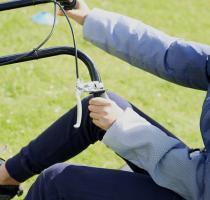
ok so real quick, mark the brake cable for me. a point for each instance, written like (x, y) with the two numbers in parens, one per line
(94, 87)
(62, 8)
(41, 44)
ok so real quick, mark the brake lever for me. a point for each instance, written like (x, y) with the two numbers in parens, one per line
(95, 88)
(79, 109)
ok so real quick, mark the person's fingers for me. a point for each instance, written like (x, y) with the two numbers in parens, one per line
(70, 13)
(74, 14)
(80, 6)
(97, 109)
(100, 101)
(103, 109)
(78, 14)
(97, 123)
(95, 116)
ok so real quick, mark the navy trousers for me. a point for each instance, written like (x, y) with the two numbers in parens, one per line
(60, 142)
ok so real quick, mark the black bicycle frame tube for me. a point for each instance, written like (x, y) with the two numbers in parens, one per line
(50, 52)
(22, 3)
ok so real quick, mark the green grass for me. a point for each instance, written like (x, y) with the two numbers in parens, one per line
(35, 94)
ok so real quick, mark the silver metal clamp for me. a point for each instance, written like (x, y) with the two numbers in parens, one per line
(92, 87)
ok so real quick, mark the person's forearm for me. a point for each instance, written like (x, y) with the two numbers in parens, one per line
(175, 60)
(165, 158)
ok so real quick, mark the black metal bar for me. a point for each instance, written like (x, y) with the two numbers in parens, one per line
(24, 3)
(20, 3)
(50, 52)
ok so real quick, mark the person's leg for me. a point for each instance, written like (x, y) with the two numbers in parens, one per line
(68, 182)
(61, 141)
(204, 121)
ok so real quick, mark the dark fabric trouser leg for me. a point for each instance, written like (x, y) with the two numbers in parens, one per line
(61, 142)
(68, 182)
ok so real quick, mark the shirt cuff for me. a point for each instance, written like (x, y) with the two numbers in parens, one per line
(118, 129)
(131, 132)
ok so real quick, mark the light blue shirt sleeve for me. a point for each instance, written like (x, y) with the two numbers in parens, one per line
(182, 62)
(149, 49)
(167, 159)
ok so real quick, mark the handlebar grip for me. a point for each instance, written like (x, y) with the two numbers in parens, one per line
(102, 94)
(67, 5)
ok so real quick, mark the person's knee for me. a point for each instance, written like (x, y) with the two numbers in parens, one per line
(53, 171)
(61, 181)
(45, 185)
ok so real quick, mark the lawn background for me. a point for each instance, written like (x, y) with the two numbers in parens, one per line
(34, 94)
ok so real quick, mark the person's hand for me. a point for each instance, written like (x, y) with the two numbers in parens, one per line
(78, 14)
(104, 112)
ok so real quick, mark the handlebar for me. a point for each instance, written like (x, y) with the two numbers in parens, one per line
(24, 3)
(49, 52)
(95, 87)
